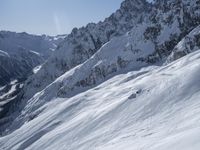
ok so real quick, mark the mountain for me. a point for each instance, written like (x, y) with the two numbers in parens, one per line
(116, 84)
(18, 65)
(21, 52)
(163, 23)
(21, 55)
(155, 108)
(10, 41)
(82, 43)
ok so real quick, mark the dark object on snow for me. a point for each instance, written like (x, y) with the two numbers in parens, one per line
(139, 91)
(134, 95)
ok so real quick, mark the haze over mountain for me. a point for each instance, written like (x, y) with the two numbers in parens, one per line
(130, 81)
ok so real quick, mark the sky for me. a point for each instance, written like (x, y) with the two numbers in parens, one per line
(53, 17)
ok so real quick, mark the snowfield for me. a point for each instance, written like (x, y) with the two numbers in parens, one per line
(155, 108)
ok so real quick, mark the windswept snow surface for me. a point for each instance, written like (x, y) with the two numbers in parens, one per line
(163, 114)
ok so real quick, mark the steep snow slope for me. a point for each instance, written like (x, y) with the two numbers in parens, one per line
(188, 44)
(156, 108)
(8, 94)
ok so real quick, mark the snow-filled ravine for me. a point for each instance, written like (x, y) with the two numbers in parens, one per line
(156, 108)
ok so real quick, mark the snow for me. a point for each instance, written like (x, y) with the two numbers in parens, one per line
(2, 53)
(2, 87)
(58, 37)
(35, 52)
(164, 115)
(12, 89)
(37, 68)
(187, 45)
(168, 31)
(13, 82)
(21, 52)
(121, 37)
(191, 35)
(185, 140)
(12, 41)
(104, 64)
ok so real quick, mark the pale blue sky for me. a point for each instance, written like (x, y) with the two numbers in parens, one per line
(52, 16)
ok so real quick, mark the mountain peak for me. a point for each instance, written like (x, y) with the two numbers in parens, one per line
(134, 5)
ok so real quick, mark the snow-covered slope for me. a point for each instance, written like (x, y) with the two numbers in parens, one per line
(155, 108)
(188, 44)
(8, 94)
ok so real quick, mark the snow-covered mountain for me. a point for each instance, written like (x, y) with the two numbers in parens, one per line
(116, 84)
(163, 24)
(21, 52)
(155, 108)
(10, 41)
(13, 66)
(82, 43)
